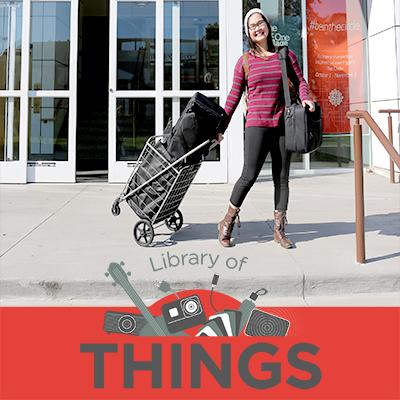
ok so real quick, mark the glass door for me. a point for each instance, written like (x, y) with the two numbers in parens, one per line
(12, 143)
(53, 28)
(161, 53)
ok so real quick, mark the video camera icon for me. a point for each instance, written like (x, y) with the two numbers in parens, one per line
(183, 313)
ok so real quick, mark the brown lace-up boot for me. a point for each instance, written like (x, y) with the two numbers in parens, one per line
(225, 226)
(279, 230)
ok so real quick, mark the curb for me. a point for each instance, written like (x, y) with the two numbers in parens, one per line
(277, 286)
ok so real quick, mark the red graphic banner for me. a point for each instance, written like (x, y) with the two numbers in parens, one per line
(335, 60)
(352, 352)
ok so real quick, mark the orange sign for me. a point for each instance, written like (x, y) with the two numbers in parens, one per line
(330, 63)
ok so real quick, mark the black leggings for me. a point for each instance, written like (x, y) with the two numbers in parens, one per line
(258, 142)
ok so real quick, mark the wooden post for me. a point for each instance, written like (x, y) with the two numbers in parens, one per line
(359, 195)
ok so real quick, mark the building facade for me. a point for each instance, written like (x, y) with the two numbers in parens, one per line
(83, 84)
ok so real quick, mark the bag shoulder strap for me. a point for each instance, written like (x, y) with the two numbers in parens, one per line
(246, 65)
(283, 55)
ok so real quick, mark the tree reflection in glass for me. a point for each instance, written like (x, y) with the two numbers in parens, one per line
(136, 46)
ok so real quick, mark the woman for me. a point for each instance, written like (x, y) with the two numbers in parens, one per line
(264, 130)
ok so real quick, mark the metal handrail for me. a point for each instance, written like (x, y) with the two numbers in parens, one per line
(393, 154)
(390, 130)
(358, 172)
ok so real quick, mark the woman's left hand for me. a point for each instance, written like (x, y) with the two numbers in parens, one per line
(219, 138)
(309, 103)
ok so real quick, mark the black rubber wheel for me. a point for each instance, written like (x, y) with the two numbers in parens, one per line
(175, 222)
(143, 233)
(115, 208)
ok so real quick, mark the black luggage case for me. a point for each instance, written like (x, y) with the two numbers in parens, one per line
(201, 120)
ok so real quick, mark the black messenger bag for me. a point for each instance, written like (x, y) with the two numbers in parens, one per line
(303, 129)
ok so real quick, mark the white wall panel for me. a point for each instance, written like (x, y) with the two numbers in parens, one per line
(381, 16)
(384, 59)
(397, 11)
(383, 66)
(380, 157)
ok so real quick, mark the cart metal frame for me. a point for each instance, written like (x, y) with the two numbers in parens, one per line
(177, 180)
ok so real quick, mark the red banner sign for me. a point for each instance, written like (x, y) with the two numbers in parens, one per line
(333, 61)
(328, 353)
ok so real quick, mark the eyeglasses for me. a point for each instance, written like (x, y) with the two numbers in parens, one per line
(259, 24)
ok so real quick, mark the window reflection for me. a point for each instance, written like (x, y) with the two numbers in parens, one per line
(48, 129)
(198, 43)
(286, 22)
(10, 44)
(136, 46)
(135, 124)
(50, 45)
(167, 111)
(9, 128)
(334, 152)
(168, 43)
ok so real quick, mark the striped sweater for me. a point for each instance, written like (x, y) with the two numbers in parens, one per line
(265, 102)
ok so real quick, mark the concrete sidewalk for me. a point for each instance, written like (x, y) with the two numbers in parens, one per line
(57, 241)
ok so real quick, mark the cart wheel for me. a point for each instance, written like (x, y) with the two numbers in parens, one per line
(175, 222)
(115, 208)
(143, 233)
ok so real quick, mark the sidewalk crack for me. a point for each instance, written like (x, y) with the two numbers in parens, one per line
(43, 222)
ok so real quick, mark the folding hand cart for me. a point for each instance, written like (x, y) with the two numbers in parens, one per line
(156, 188)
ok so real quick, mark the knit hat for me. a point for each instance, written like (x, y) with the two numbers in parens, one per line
(249, 14)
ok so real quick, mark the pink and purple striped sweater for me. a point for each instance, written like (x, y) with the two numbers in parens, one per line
(265, 102)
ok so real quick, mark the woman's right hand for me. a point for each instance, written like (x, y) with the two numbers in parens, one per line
(220, 137)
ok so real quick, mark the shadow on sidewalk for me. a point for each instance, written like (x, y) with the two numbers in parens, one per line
(261, 232)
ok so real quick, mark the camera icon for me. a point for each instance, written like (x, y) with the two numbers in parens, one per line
(183, 313)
